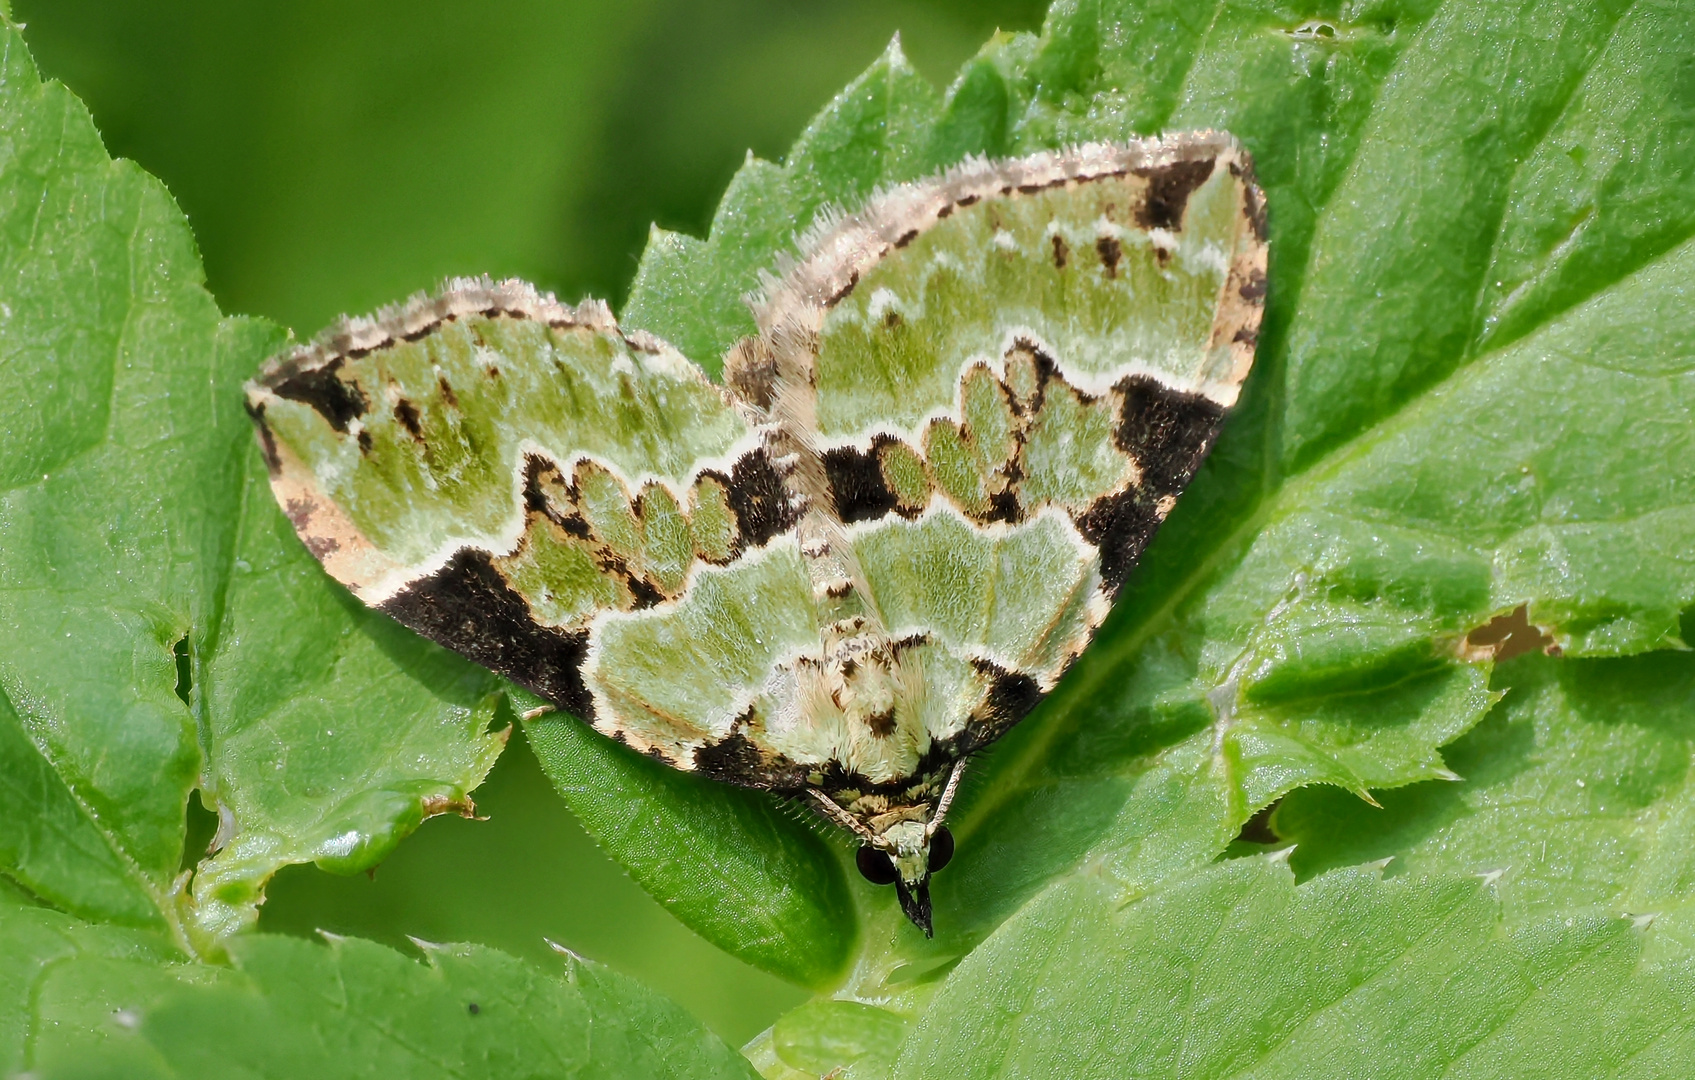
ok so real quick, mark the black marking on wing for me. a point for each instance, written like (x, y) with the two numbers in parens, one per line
(1011, 696)
(736, 760)
(857, 484)
(1253, 202)
(759, 500)
(1169, 188)
(1166, 432)
(540, 473)
(1111, 252)
(469, 607)
(1120, 526)
(319, 388)
(1253, 289)
(267, 441)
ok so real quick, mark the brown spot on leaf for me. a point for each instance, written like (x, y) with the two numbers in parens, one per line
(447, 393)
(1060, 252)
(1507, 636)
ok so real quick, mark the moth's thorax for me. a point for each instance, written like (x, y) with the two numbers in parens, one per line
(868, 696)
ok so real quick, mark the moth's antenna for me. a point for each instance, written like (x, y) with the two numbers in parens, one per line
(841, 817)
(946, 799)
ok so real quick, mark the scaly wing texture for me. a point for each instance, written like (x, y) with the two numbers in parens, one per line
(988, 389)
(497, 471)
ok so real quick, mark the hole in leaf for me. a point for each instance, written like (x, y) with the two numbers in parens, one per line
(1507, 636)
(185, 670)
(1258, 830)
(1313, 30)
(1256, 838)
(199, 829)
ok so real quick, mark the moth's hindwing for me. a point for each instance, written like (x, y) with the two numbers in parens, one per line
(969, 406)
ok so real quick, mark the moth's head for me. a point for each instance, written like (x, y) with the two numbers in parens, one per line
(905, 855)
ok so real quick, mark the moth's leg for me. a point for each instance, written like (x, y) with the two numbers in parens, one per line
(946, 800)
(841, 817)
(538, 712)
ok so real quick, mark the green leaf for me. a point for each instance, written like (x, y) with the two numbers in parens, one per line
(160, 628)
(377, 728)
(1237, 971)
(728, 863)
(99, 1001)
(114, 360)
(1579, 794)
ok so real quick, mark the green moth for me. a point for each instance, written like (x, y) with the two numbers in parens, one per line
(873, 548)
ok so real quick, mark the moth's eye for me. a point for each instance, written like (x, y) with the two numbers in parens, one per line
(876, 865)
(941, 849)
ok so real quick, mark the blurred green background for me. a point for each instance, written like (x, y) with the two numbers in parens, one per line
(335, 155)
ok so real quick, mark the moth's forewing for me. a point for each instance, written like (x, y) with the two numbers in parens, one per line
(1009, 374)
(496, 470)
